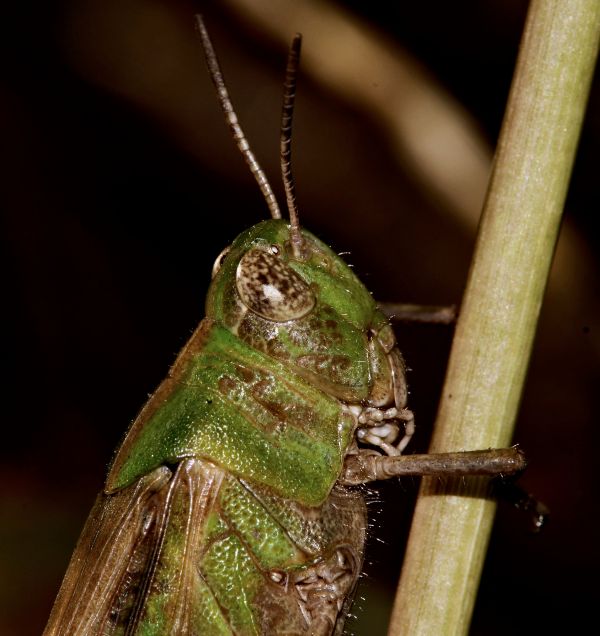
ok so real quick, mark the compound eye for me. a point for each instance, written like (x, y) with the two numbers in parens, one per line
(219, 261)
(268, 287)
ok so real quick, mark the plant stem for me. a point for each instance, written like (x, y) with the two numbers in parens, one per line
(497, 322)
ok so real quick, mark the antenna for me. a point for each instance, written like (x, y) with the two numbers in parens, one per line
(287, 112)
(232, 120)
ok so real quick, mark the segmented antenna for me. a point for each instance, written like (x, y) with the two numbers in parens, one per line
(232, 120)
(287, 112)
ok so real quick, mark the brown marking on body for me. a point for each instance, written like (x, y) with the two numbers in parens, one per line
(227, 385)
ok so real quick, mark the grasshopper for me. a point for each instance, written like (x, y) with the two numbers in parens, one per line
(234, 504)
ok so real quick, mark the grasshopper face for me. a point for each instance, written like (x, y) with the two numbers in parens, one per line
(309, 311)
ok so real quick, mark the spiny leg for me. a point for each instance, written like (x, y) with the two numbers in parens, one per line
(504, 466)
(365, 466)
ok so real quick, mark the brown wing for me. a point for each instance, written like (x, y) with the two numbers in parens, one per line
(198, 552)
(122, 556)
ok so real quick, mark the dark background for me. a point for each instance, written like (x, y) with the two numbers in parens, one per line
(115, 206)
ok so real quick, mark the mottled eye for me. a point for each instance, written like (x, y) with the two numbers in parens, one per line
(268, 287)
(219, 261)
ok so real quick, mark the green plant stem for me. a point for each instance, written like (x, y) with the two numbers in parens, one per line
(497, 322)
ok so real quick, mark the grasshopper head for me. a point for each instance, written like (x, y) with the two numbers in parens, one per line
(305, 308)
(284, 292)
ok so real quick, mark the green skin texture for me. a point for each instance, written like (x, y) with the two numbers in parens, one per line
(251, 422)
(301, 458)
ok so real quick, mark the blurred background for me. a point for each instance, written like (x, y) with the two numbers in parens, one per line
(119, 186)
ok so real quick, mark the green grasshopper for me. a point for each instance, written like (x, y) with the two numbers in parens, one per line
(234, 504)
